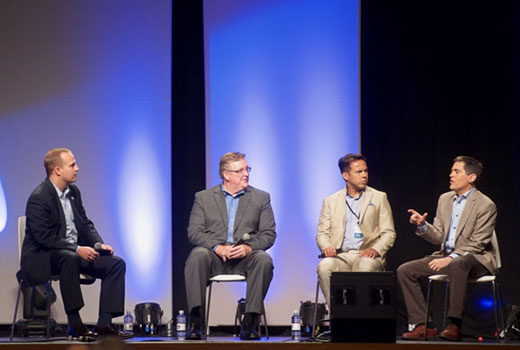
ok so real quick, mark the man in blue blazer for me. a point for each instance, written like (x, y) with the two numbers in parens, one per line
(219, 219)
(60, 240)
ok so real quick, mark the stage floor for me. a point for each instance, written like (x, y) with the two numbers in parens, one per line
(233, 343)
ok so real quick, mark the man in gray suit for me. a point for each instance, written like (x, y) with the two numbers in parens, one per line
(219, 219)
(463, 226)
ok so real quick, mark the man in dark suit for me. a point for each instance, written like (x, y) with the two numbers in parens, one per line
(60, 240)
(463, 226)
(219, 218)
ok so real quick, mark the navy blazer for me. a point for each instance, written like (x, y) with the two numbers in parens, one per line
(46, 229)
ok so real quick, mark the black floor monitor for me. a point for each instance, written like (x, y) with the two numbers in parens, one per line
(362, 307)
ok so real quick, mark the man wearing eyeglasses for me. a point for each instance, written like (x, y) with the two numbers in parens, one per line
(356, 228)
(219, 219)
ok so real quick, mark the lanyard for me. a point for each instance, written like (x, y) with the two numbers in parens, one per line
(357, 216)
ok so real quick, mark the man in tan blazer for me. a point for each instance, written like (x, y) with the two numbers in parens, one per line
(356, 227)
(463, 226)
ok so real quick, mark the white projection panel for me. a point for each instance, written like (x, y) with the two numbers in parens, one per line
(282, 87)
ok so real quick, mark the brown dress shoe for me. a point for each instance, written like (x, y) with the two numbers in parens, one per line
(452, 332)
(418, 333)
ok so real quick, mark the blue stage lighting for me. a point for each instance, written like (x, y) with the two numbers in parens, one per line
(282, 87)
(486, 303)
(3, 207)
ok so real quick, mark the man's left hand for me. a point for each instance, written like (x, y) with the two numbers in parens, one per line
(438, 264)
(107, 247)
(240, 251)
(369, 253)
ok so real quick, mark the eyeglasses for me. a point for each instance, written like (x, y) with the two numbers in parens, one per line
(241, 171)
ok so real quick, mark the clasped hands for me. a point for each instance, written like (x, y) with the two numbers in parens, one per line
(331, 252)
(90, 254)
(228, 252)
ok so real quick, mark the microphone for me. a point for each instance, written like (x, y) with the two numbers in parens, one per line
(322, 255)
(242, 240)
(99, 248)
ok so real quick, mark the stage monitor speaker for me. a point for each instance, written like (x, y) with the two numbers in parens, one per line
(362, 307)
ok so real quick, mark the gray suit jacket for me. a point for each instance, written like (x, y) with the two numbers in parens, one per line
(209, 222)
(474, 231)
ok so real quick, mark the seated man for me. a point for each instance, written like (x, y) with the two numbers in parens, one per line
(356, 227)
(463, 226)
(60, 240)
(219, 218)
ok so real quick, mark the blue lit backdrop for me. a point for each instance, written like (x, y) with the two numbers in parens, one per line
(282, 87)
(94, 77)
(3, 207)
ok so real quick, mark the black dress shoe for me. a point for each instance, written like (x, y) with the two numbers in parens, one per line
(249, 335)
(80, 333)
(194, 332)
(111, 331)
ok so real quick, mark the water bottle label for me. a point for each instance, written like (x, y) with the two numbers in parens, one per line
(296, 327)
(181, 327)
(129, 327)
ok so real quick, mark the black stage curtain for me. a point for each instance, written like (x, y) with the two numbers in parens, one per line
(188, 132)
(440, 79)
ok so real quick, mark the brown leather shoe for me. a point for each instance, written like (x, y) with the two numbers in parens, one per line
(418, 333)
(452, 332)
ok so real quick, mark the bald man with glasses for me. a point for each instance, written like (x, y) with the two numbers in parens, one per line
(219, 219)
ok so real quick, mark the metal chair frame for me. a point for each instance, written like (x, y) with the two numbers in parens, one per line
(85, 279)
(483, 279)
(230, 278)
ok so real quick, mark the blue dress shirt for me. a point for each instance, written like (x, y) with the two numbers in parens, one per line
(232, 207)
(71, 233)
(456, 212)
(352, 240)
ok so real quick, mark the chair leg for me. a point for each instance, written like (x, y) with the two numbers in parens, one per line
(446, 299)
(503, 326)
(49, 312)
(496, 310)
(265, 323)
(206, 324)
(237, 316)
(16, 309)
(428, 291)
(315, 308)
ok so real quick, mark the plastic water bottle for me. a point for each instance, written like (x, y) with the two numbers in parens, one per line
(129, 323)
(181, 326)
(296, 330)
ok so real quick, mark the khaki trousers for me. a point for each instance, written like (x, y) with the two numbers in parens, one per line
(345, 262)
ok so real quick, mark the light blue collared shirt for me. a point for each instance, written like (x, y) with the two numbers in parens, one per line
(352, 240)
(71, 234)
(232, 207)
(456, 212)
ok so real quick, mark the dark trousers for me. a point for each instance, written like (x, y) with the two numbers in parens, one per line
(110, 269)
(202, 264)
(459, 271)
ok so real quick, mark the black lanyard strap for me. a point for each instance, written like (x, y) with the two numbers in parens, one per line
(357, 216)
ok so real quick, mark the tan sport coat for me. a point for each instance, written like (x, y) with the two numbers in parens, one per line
(475, 229)
(375, 220)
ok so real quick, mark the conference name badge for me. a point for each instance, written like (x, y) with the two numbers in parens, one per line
(357, 232)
